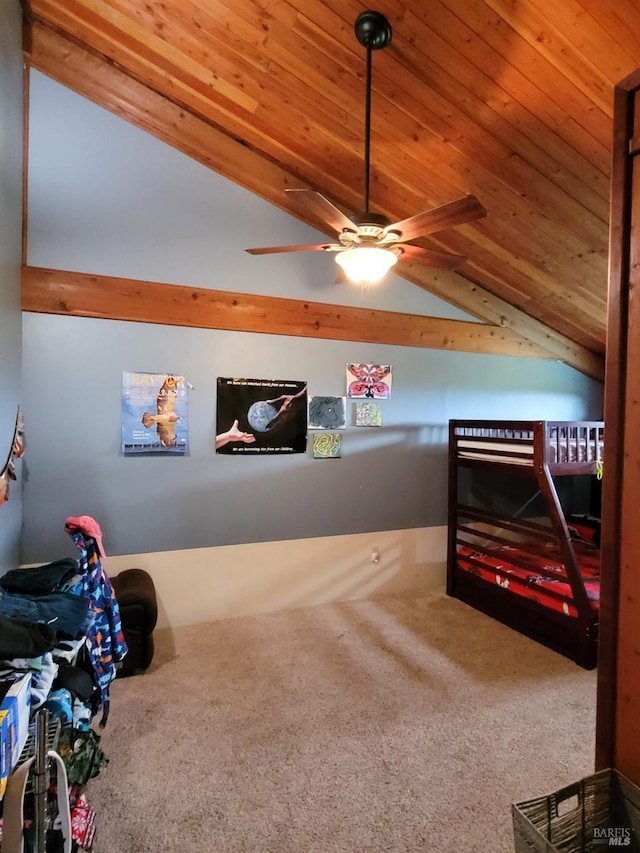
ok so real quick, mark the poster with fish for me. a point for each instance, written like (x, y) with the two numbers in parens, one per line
(154, 413)
(369, 381)
(261, 416)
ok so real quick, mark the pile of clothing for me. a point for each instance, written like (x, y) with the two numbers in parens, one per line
(60, 627)
(60, 623)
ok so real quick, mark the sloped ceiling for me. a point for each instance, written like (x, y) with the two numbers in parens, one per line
(510, 100)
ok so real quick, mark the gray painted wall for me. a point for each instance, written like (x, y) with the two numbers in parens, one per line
(107, 198)
(11, 98)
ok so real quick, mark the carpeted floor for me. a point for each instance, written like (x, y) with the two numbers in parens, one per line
(402, 723)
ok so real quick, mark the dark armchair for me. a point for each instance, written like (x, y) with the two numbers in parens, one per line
(138, 606)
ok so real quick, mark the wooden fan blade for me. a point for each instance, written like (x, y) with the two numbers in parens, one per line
(324, 210)
(431, 257)
(272, 250)
(465, 209)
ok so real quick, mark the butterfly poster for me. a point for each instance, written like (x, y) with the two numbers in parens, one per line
(369, 381)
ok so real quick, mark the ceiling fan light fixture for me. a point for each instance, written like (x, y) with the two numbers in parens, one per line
(368, 244)
(366, 264)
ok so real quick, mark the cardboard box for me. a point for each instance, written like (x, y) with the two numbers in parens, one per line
(15, 706)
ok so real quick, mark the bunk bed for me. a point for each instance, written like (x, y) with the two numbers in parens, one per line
(524, 530)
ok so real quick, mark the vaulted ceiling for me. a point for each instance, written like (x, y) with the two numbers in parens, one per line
(509, 100)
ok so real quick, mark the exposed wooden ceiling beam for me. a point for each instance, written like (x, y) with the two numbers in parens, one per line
(102, 82)
(82, 295)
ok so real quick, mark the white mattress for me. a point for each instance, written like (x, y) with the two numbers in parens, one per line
(520, 452)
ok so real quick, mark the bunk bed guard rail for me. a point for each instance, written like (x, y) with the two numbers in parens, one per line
(560, 443)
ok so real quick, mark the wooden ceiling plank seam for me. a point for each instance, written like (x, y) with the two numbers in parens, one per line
(563, 168)
(201, 106)
(161, 83)
(512, 100)
(504, 204)
(317, 13)
(618, 20)
(558, 173)
(169, 55)
(486, 304)
(503, 313)
(111, 36)
(525, 55)
(586, 242)
(211, 31)
(452, 74)
(498, 151)
(541, 31)
(527, 81)
(589, 38)
(105, 84)
(273, 63)
(544, 273)
(543, 269)
(581, 247)
(277, 151)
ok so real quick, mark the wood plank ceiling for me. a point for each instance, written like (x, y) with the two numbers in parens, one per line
(510, 100)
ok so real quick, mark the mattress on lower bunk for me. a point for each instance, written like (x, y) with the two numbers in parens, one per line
(536, 586)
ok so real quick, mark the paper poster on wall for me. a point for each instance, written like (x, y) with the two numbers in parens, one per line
(261, 416)
(368, 414)
(327, 412)
(327, 445)
(371, 381)
(154, 413)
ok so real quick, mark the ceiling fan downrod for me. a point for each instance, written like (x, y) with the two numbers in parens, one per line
(368, 244)
(373, 31)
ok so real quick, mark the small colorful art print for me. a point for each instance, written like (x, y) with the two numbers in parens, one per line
(327, 445)
(261, 416)
(154, 413)
(368, 414)
(327, 412)
(371, 381)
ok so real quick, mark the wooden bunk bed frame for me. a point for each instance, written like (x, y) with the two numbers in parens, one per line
(540, 451)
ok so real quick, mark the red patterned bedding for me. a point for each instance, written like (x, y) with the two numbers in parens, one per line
(495, 564)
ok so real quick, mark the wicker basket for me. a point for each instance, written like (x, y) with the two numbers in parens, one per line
(599, 812)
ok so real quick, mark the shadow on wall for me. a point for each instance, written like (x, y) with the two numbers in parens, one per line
(387, 478)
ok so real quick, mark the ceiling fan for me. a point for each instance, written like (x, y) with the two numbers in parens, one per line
(368, 244)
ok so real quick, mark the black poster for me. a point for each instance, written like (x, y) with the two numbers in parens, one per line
(261, 416)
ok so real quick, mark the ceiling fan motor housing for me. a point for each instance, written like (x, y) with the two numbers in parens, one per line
(373, 30)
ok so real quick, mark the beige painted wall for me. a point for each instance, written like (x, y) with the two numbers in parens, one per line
(205, 584)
